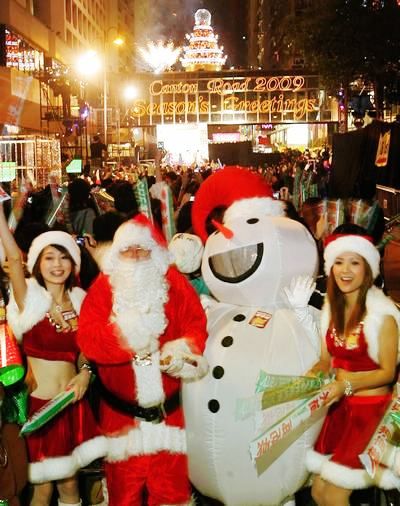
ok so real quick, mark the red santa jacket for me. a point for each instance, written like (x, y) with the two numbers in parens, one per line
(101, 341)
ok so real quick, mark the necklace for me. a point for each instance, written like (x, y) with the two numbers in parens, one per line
(347, 341)
(59, 318)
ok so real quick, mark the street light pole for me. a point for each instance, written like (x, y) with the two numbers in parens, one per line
(105, 98)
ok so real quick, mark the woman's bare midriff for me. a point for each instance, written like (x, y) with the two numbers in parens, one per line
(51, 376)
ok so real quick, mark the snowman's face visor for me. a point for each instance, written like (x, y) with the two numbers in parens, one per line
(237, 264)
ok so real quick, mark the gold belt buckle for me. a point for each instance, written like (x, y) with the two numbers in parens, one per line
(143, 361)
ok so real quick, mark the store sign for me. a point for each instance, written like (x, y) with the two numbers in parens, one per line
(19, 54)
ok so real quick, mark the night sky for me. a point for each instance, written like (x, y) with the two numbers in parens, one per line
(172, 19)
(229, 18)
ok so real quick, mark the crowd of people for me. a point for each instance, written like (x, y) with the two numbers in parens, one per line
(99, 295)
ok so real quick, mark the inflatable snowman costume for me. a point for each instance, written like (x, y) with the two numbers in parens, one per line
(246, 264)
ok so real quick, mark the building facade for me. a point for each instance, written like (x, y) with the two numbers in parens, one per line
(40, 41)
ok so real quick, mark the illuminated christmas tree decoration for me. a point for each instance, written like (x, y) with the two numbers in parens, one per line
(203, 52)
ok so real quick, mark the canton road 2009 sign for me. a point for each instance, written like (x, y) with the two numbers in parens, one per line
(244, 99)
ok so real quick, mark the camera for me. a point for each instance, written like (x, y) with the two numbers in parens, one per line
(80, 240)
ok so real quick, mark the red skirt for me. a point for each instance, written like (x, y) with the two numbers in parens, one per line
(349, 426)
(61, 435)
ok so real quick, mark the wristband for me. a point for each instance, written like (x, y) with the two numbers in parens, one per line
(86, 366)
(348, 389)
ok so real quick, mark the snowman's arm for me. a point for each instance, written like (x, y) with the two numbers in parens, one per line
(309, 318)
(298, 295)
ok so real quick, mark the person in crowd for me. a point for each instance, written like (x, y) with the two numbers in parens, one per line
(360, 329)
(43, 314)
(124, 198)
(104, 228)
(143, 326)
(81, 213)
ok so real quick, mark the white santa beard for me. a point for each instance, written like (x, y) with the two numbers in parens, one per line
(140, 292)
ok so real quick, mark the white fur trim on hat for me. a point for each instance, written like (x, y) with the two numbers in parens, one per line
(254, 208)
(54, 237)
(130, 234)
(355, 244)
(187, 250)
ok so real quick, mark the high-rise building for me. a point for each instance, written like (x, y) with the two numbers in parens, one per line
(40, 41)
(266, 43)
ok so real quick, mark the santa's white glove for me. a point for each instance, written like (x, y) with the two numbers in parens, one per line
(299, 291)
(177, 360)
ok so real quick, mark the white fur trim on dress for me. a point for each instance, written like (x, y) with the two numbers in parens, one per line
(315, 460)
(256, 206)
(148, 438)
(352, 243)
(54, 237)
(345, 477)
(350, 478)
(36, 304)
(58, 468)
(377, 307)
(149, 387)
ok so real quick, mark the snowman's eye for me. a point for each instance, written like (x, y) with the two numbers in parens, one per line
(251, 221)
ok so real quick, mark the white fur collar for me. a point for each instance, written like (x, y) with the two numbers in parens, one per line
(378, 306)
(37, 303)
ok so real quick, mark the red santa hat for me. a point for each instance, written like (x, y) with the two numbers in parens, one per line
(139, 231)
(58, 238)
(225, 187)
(336, 244)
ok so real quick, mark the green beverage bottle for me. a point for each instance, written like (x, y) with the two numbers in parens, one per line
(3, 502)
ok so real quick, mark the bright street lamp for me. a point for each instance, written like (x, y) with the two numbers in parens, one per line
(130, 92)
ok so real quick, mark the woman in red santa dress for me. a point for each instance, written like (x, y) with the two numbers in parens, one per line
(43, 313)
(360, 326)
(143, 326)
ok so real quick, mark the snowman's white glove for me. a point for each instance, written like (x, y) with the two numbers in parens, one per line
(177, 360)
(298, 294)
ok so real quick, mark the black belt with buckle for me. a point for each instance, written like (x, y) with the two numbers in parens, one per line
(154, 414)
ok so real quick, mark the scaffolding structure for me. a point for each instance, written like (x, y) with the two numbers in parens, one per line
(33, 157)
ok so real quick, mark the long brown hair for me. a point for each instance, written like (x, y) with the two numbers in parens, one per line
(337, 302)
(69, 282)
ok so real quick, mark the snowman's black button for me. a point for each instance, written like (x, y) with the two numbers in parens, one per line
(251, 221)
(218, 372)
(227, 341)
(213, 405)
(239, 318)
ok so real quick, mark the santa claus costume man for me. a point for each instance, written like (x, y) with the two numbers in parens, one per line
(143, 326)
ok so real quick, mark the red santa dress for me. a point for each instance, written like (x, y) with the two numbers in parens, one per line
(351, 422)
(72, 439)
